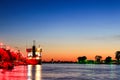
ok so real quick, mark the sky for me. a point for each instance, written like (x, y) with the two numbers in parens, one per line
(65, 29)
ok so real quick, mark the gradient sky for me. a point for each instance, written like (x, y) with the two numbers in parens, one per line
(65, 29)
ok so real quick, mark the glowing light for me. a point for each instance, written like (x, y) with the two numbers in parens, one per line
(38, 49)
(30, 54)
(37, 58)
(38, 54)
(30, 58)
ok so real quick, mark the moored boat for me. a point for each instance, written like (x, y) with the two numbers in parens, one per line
(34, 56)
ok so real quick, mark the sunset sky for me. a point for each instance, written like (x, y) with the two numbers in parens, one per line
(65, 29)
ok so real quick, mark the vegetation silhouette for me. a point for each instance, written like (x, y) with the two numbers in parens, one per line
(10, 58)
(82, 59)
(108, 60)
(98, 59)
(117, 56)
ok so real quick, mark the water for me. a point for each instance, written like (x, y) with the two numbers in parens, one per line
(62, 72)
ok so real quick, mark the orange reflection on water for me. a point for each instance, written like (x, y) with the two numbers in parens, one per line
(34, 72)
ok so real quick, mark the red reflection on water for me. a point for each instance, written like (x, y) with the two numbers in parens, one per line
(18, 73)
(30, 72)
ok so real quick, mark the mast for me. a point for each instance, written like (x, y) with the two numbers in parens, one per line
(33, 48)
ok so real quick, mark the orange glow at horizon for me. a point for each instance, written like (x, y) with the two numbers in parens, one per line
(68, 57)
(71, 53)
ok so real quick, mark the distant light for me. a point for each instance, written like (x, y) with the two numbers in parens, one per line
(38, 49)
(37, 58)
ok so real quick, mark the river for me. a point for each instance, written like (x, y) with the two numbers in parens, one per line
(62, 72)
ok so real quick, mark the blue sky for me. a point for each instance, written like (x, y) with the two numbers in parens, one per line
(58, 22)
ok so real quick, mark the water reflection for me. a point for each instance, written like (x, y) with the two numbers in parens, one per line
(28, 72)
(62, 72)
(34, 72)
(18, 73)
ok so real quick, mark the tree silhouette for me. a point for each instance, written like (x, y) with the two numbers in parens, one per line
(108, 60)
(82, 60)
(117, 56)
(4, 55)
(7, 55)
(98, 58)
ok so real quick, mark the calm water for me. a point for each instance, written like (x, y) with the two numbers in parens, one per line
(62, 72)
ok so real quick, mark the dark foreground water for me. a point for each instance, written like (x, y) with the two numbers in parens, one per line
(62, 72)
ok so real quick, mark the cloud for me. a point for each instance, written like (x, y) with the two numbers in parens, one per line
(108, 37)
(117, 37)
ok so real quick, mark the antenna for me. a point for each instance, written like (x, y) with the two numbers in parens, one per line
(33, 42)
